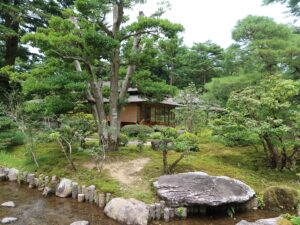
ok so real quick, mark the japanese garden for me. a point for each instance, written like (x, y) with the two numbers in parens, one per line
(108, 117)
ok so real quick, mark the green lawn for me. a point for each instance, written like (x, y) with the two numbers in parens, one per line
(246, 164)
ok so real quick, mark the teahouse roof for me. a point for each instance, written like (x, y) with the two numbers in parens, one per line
(135, 98)
(139, 99)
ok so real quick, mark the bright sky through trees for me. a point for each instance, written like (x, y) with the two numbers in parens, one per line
(214, 19)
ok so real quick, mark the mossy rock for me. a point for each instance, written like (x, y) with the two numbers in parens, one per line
(284, 222)
(278, 198)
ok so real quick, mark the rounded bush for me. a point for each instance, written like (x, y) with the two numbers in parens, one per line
(278, 198)
(187, 141)
(155, 136)
(123, 139)
(158, 128)
(135, 130)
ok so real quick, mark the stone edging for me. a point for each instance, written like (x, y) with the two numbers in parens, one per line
(53, 186)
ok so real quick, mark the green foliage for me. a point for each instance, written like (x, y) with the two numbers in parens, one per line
(230, 211)
(219, 89)
(54, 89)
(158, 128)
(156, 91)
(187, 141)
(135, 130)
(191, 113)
(123, 139)
(269, 112)
(155, 136)
(9, 133)
(260, 202)
(169, 134)
(295, 220)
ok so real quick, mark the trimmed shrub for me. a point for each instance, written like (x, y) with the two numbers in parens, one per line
(135, 130)
(158, 128)
(9, 134)
(187, 141)
(123, 139)
(169, 133)
(278, 198)
(155, 136)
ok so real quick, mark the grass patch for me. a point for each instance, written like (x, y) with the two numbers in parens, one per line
(243, 163)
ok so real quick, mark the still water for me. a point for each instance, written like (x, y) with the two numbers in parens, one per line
(33, 209)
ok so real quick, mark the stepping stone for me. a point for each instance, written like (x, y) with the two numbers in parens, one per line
(7, 220)
(82, 222)
(9, 204)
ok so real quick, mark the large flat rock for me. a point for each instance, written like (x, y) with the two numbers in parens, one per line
(271, 221)
(197, 188)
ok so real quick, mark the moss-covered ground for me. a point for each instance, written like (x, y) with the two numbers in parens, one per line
(243, 163)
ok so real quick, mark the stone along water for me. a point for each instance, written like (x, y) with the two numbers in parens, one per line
(33, 209)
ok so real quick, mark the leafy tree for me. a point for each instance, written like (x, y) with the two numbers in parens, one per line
(268, 112)
(168, 138)
(190, 113)
(73, 129)
(77, 37)
(219, 89)
(263, 39)
(53, 88)
(17, 18)
(262, 47)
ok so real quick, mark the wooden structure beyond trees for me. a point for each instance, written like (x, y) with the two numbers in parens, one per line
(139, 110)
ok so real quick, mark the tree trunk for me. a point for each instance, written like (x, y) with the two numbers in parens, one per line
(113, 102)
(114, 114)
(11, 43)
(174, 164)
(165, 161)
(171, 75)
(274, 153)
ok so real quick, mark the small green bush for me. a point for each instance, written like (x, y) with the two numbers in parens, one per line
(135, 130)
(155, 136)
(169, 133)
(158, 128)
(123, 139)
(289, 220)
(187, 141)
(9, 134)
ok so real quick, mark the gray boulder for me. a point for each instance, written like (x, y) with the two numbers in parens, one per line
(127, 211)
(197, 188)
(13, 174)
(9, 204)
(271, 221)
(7, 220)
(48, 191)
(64, 189)
(82, 222)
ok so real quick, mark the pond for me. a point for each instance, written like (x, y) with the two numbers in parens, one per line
(33, 209)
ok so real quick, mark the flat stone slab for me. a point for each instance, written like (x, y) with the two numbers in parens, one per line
(197, 188)
(82, 222)
(7, 220)
(271, 221)
(9, 204)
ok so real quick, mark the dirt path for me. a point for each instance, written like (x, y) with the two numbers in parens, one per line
(126, 172)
